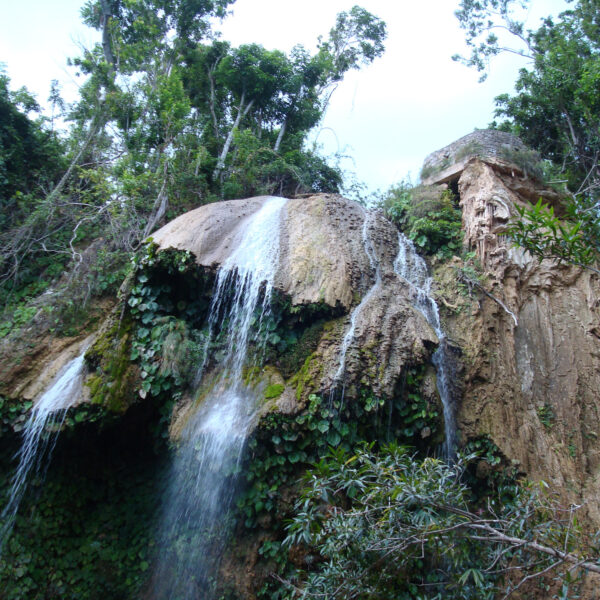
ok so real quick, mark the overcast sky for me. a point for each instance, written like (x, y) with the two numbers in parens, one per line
(386, 117)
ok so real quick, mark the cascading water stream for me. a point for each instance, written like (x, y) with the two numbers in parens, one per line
(48, 411)
(349, 336)
(412, 268)
(202, 482)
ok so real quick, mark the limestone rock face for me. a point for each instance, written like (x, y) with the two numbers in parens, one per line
(531, 377)
(211, 231)
(389, 335)
(334, 253)
(322, 253)
(493, 146)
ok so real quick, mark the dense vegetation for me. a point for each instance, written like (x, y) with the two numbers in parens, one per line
(555, 110)
(429, 216)
(168, 119)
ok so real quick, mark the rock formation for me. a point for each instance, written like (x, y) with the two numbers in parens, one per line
(531, 342)
(324, 261)
(345, 339)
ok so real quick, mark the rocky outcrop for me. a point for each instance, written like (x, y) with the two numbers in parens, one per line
(493, 146)
(531, 345)
(324, 260)
(322, 253)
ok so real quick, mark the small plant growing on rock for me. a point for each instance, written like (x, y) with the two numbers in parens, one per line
(428, 215)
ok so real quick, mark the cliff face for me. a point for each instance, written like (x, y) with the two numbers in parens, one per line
(347, 356)
(532, 351)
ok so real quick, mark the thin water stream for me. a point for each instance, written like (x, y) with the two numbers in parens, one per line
(203, 477)
(412, 268)
(48, 413)
(356, 311)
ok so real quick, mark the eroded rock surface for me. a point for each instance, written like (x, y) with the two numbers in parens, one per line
(322, 253)
(531, 377)
(332, 253)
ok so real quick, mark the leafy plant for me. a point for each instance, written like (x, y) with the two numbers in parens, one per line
(427, 215)
(386, 524)
(546, 415)
(541, 232)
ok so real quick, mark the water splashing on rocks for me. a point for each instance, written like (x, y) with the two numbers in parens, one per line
(48, 413)
(412, 268)
(203, 479)
(356, 311)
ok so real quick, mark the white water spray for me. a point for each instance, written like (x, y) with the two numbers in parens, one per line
(203, 478)
(48, 411)
(412, 268)
(356, 311)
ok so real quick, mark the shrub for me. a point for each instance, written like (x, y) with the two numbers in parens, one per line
(428, 215)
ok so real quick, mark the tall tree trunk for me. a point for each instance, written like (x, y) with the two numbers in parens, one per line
(280, 135)
(161, 204)
(242, 112)
(106, 47)
(213, 100)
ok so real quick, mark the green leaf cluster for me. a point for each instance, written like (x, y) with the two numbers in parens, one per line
(429, 216)
(541, 232)
(86, 532)
(385, 523)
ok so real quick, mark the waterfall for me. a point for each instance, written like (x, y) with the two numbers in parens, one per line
(48, 411)
(349, 336)
(203, 477)
(412, 268)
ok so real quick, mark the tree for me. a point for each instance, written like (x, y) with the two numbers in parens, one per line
(166, 121)
(556, 109)
(389, 525)
(263, 103)
(30, 155)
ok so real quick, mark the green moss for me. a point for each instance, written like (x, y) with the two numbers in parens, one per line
(304, 379)
(274, 391)
(113, 384)
(251, 375)
(291, 361)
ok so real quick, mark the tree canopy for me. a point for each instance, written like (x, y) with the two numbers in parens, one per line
(556, 110)
(169, 117)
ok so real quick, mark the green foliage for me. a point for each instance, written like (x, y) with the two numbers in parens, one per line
(386, 524)
(86, 531)
(30, 154)
(427, 215)
(492, 481)
(388, 510)
(21, 315)
(539, 230)
(528, 160)
(285, 445)
(13, 414)
(165, 121)
(555, 110)
(416, 414)
(546, 415)
(294, 333)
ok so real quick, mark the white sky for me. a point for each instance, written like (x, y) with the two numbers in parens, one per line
(386, 117)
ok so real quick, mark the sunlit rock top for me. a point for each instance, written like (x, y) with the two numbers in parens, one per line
(490, 145)
(322, 256)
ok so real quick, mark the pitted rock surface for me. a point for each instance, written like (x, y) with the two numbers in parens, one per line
(548, 363)
(322, 253)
